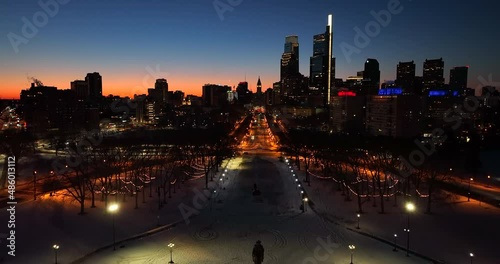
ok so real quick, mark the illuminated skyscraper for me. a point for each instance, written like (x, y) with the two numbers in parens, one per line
(322, 63)
(406, 77)
(290, 57)
(433, 76)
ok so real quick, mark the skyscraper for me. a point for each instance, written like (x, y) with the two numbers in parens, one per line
(458, 79)
(433, 75)
(290, 57)
(162, 85)
(322, 63)
(94, 81)
(371, 77)
(405, 77)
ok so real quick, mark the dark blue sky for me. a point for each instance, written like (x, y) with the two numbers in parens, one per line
(192, 45)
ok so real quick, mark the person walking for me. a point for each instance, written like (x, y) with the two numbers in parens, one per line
(258, 253)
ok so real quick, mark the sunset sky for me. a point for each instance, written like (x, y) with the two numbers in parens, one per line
(131, 43)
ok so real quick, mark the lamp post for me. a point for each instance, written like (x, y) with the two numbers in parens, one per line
(55, 247)
(112, 209)
(34, 184)
(359, 216)
(52, 179)
(352, 247)
(468, 193)
(471, 256)
(410, 207)
(395, 243)
(304, 204)
(489, 179)
(171, 245)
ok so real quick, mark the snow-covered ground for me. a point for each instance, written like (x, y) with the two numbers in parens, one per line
(55, 220)
(227, 232)
(454, 229)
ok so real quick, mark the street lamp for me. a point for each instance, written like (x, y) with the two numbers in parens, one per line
(112, 208)
(55, 247)
(410, 207)
(352, 247)
(395, 242)
(471, 256)
(52, 176)
(34, 184)
(359, 216)
(468, 194)
(171, 245)
(304, 204)
(489, 179)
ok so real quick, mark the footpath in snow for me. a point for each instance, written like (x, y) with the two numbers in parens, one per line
(455, 229)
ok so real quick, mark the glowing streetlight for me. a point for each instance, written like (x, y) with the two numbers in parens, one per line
(395, 242)
(55, 247)
(34, 184)
(468, 194)
(304, 204)
(171, 245)
(471, 256)
(359, 216)
(410, 207)
(113, 208)
(352, 247)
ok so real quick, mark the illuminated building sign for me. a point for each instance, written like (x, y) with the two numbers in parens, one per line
(443, 93)
(346, 93)
(390, 91)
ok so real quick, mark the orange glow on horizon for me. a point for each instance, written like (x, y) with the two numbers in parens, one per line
(11, 88)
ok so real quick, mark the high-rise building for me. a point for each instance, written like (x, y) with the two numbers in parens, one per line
(162, 85)
(81, 89)
(243, 93)
(215, 95)
(393, 116)
(94, 81)
(458, 79)
(290, 57)
(322, 63)
(433, 75)
(371, 77)
(405, 77)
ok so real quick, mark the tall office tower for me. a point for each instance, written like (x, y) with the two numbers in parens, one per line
(94, 81)
(259, 87)
(162, 85)
(290, 58)
(371, 77)
(433, 75)
(458, 79)
(322, 63)
(405, 77)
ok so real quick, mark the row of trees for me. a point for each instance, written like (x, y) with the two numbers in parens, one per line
(374, 169)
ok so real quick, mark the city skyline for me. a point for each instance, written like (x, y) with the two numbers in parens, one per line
(130, 55)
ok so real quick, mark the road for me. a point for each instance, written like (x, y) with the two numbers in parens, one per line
(228, 226)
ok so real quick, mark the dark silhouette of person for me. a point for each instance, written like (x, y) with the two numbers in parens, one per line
(258, 253)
